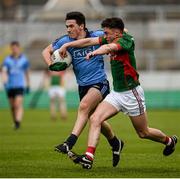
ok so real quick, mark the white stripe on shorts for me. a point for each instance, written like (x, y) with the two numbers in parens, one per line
(138, 98)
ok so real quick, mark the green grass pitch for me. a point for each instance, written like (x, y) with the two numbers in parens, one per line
(29, 152)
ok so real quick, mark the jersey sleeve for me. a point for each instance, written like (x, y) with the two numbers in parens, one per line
(102, 40)
(59, 42)
(98, 33)
(125, 43)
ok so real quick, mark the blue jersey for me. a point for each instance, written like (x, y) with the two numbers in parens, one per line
(16, 69)
(87, 72)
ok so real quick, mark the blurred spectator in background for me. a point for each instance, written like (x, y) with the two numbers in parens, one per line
(57, 93)
(15, 76)
(9, 9)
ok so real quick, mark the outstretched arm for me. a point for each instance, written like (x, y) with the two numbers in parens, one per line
(78, 43)
(104, 49)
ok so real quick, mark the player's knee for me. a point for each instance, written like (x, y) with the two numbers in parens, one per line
(17, 106)
(94, 120)
(83, 106)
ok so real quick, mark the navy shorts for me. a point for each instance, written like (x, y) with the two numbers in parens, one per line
(103, 87)
(12, 93)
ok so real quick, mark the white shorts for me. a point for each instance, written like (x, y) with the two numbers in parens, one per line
(131, 102)
(57, 91)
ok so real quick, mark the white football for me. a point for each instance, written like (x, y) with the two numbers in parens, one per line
(57, 58)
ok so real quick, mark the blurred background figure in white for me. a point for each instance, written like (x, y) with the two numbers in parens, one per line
(57, 94)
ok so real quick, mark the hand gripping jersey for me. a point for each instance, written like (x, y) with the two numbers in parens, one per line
(123, 63)
(87, 72)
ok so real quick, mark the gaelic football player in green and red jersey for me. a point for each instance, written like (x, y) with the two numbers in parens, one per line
(127, 95)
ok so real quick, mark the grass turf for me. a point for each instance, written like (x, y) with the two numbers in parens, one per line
(29, 152)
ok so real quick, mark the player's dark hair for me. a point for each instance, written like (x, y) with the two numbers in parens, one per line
(78, 16)
(113, 22)
(14, 43)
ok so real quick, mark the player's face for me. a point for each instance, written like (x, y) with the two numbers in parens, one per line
(16, 50)
(73, 29)
(111, 34)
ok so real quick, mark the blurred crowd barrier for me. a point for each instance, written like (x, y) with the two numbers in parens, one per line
(162, 90)
(157, 43)
(150, 81)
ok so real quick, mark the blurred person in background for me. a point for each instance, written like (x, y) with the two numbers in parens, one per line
(92, 82)
(15, 76)
(57, 94)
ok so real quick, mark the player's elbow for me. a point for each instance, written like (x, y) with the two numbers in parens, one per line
(44, 52)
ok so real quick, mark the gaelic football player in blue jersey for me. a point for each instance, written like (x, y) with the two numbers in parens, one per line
(91, 78)
(15, 74)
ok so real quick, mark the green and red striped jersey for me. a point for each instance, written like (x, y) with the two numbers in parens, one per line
(123, 63)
